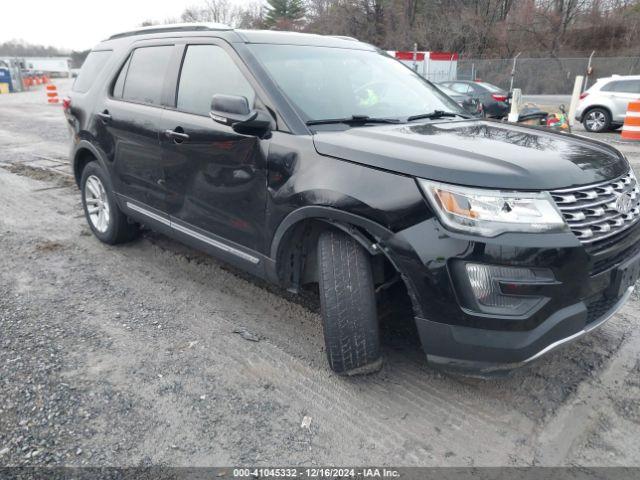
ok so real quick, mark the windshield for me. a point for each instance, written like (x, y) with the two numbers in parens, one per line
(332, 83)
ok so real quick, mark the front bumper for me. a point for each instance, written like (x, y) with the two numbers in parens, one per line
(582, 298)
(482, 351)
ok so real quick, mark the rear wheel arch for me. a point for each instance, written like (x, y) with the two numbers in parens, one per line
(592, 107)
(84, 154)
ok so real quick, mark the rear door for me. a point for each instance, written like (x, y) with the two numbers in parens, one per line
(622, 92)
(215, 177)
(132, 116)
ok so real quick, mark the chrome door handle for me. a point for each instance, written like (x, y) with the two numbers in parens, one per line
(177, 136)
(104, 116)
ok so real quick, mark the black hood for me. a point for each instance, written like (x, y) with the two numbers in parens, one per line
(478, 153)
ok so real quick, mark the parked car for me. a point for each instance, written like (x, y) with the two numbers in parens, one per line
(495, 101)
(471, 105)
(604, 106)
(315, 160)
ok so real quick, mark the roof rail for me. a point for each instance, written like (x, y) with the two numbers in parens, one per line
(172, 27)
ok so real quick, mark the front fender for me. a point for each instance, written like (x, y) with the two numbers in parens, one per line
(338, 218)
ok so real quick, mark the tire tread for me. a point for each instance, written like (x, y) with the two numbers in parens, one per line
(348, 304)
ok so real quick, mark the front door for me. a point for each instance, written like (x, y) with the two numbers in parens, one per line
(215, 177)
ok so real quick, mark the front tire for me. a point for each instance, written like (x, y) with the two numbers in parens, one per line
(106, 220)
(597, 120)
(348, 305)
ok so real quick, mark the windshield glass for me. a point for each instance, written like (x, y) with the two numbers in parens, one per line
(332, 83)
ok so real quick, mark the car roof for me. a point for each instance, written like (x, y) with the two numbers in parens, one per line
(619, 77)
(233, 35)
(172, 27)
(296, 38)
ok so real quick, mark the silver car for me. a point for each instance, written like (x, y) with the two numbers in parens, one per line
(604, 105)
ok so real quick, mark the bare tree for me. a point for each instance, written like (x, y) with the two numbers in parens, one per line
(489, 28)
(217, 11)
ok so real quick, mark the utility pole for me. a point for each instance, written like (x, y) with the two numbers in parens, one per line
(415, 57)
(513, 71)
(588, 72)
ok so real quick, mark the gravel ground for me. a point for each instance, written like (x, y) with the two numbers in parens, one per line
(127, 356)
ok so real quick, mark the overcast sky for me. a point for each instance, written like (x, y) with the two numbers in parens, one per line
(77, 24)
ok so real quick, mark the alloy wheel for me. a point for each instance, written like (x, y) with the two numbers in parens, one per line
(596, 121)
(97, 203)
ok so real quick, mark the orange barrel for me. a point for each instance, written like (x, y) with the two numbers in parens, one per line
(631, 127)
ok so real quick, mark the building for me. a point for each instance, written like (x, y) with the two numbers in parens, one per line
(434, 66)
(51, 66)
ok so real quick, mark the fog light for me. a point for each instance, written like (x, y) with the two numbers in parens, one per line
(506, 290)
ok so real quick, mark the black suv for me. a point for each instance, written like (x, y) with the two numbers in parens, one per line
(309, 159)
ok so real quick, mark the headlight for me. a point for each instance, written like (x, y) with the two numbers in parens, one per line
(492, 212)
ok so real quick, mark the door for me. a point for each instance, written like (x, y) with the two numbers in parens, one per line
(215, 177)
(132, 117)
(623, 92)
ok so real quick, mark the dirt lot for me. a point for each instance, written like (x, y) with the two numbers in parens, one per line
(128, 356)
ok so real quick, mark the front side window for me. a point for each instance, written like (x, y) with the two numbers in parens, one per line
(629, 86)
(329, 83)
(92, 66)
(145, 74)
(208, 70)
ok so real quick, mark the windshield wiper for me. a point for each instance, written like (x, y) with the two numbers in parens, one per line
(354, 119)
(436, 114)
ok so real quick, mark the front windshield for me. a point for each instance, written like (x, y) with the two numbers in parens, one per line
(333, 83)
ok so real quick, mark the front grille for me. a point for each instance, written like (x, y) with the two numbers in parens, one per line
(608, 260)
(595, 212)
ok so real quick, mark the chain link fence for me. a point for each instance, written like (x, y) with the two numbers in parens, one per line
(544, 76)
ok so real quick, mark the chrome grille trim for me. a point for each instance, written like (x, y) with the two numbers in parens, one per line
(590, 211)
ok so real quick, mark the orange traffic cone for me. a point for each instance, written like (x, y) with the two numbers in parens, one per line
(52, 94)
(631, 127)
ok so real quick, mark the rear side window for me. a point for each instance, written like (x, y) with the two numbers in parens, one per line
(144, 75)
(623, 86)
(206, 71)
(460, 87)
(91, 68)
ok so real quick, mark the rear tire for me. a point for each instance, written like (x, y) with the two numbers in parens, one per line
(106, 220)
(597, 120)
(348, 305)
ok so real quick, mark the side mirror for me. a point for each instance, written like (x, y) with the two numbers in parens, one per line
(234, 111)
(231, 109)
